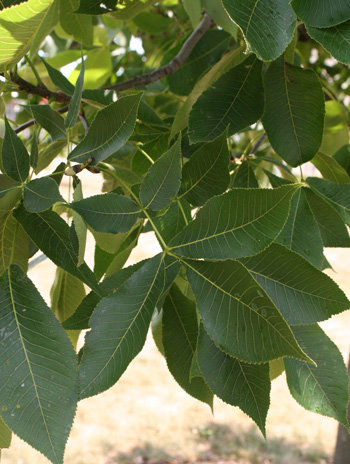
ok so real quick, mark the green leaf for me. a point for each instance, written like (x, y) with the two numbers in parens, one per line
(38, 373)
(268, 26)
(34, 152)
(76, 98)
(49, 153)
(96, 7)
(244, 176)
(119, 327)
(174, 220)
(336, 40)
(13, 237)
(19, 26)
(205, 54)
(342, 156)
(131, 9)
(206, 173)
(301, 232)
(40, 194)
(235, 382)
(228, 61)
(223, 229)
(80, 319)
(322, 13)
(220, 16)
(276, 181)
(59, 79)
(294, 111)
(98, 69)
(333, 231)
(302, 293)
(330, 168)
(77, 25)
(49, 119)
(162, 181)
(67, 292)
(51, 19)
(108, 212)
(236, 100)
(338, 195)
(79, 224)
(236, 311)
(276, 368)
(109, 131)
(51, 234)
(15, 158)
(193, 9)
(336, 127)
(179, 334)
(5, 435)
(323, 389)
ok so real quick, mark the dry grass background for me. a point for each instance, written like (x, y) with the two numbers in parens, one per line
(147, 419)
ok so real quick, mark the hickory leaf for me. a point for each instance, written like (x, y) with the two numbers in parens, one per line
(119, 327)
(38, 373)
(236, 310)
(109, 131)
(223, 229)
(235, 382)
(324, 388)
(40, 194)
(15, 158)
(324, 13)
(268, 26)
(303, 297)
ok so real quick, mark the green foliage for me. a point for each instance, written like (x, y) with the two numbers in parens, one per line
(199, 150)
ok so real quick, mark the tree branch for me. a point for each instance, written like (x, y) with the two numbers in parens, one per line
(173, 65)
(31, 122)
(40, 90)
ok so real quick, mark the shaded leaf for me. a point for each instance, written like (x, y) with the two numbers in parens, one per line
(236, 311)
(74, 104)
(77, 25)
(109, 131)
(40, 194)
(119, 327)
(19, 26)
(330, 168)
(333, 231)
(236, 100)
(34, 152)
(15, 158)
(80, 319)
(108, 212)
(59, 79)
(96, 7)
(223, 229)
(38, 381)
(49, 119)
(13, 238)
(268, 25)
(336, 39)
(342, 156)
(179, 335)
(338, 195)
(220, 16)
(336, 124)
(322, 14)
(51, 234)
(174, 220)
(294, 111)
(206, 173)
(235, 382)
(162, 181)
(244, 177)
(304, 296)
(276, 181)
(323, 389)
(205, 54)
(49, 153)
(301, 232)
(79, 224)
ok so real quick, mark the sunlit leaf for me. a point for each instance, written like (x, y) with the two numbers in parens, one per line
(14, 243)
